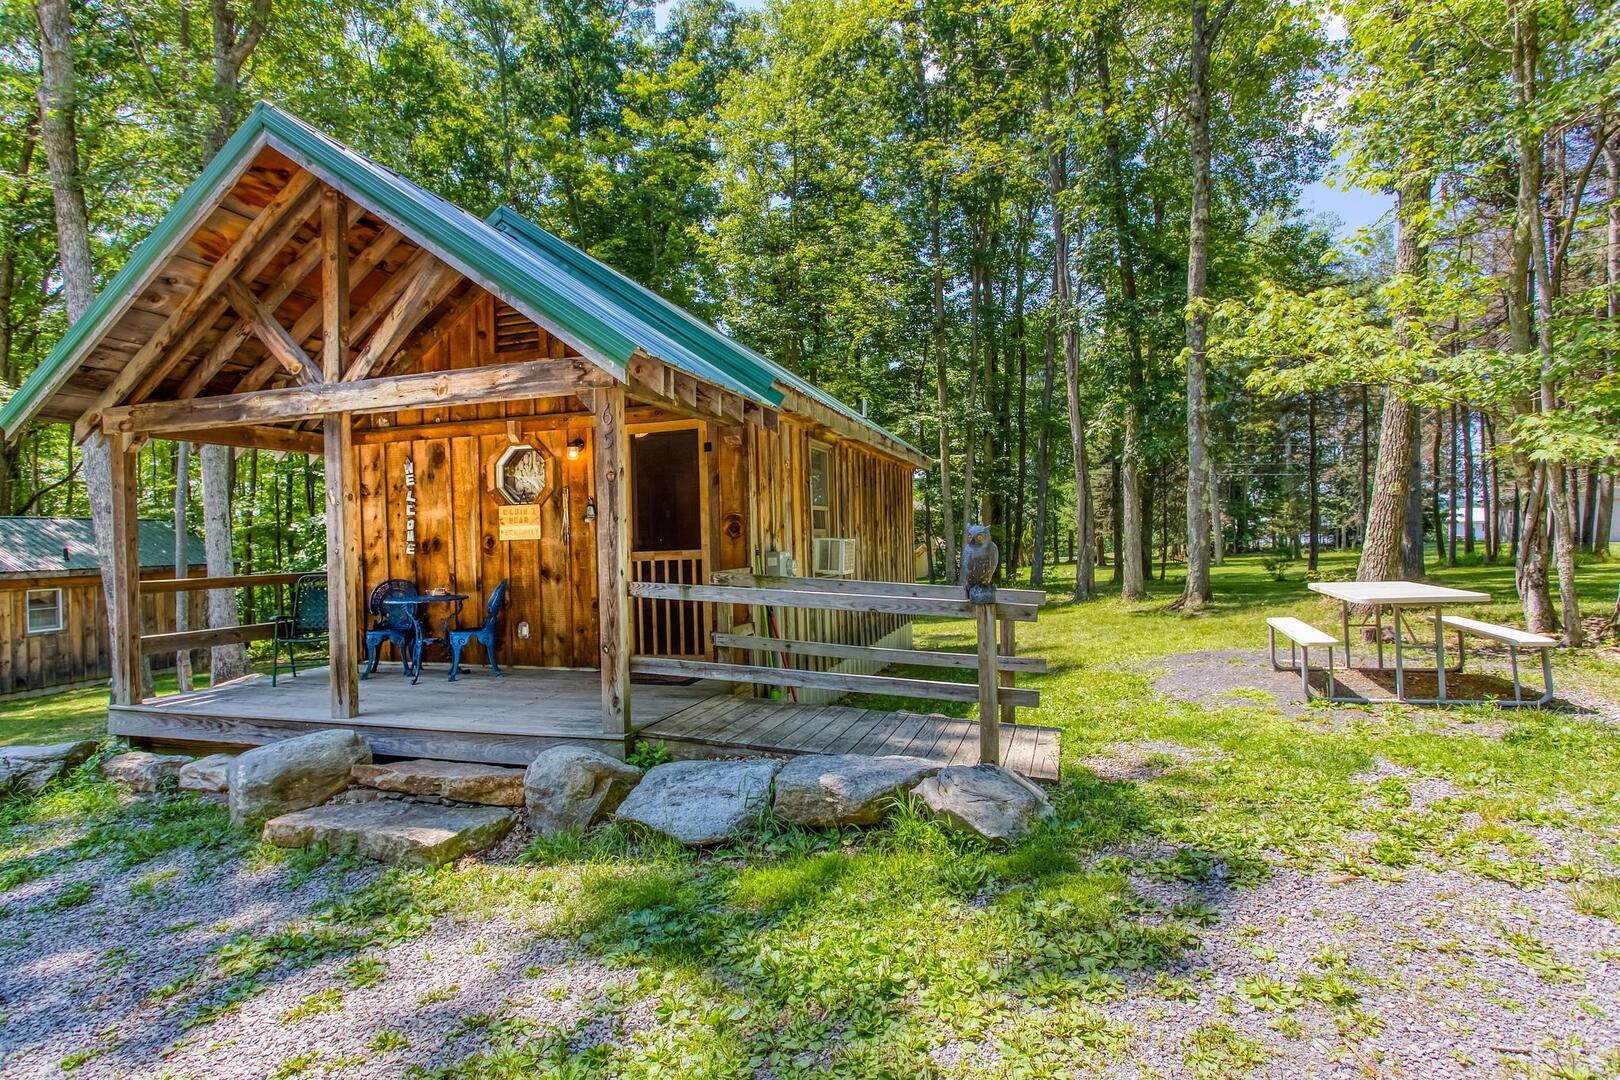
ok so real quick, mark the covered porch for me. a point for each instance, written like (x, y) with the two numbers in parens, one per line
(508, 721)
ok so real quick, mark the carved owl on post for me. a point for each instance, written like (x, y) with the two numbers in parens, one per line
(980, 557)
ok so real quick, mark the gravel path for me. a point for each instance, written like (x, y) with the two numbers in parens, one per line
(1430, 971)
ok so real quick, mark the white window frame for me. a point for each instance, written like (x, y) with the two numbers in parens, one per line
(61, 613)
(826, 451)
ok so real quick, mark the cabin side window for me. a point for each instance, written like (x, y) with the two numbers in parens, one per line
(44, 611)
(820, 489)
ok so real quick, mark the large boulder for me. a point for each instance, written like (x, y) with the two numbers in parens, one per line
(844, 789)
(209, 774)
(292, 774)
(574, 787)
(29, 768)
(996, 804)
(491, 785)
(141, 771)
(701, 802)
(393, 830)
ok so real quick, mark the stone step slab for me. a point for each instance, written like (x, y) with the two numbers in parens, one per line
(489, 785)
(293, 774)
(393, 831)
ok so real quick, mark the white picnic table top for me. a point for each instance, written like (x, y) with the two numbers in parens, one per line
(1396, 593)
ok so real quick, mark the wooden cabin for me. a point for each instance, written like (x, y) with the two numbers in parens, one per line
(53, 610)
(491, 405)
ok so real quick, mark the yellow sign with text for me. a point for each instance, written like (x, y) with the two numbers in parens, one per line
(519, 522)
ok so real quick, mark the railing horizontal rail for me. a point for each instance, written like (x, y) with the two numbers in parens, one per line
(185, 640)
(826, 601)
(827, 680)
(858, 587)
(235, 581)
(876, 654)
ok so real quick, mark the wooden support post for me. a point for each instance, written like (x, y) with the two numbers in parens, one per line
(984, 617)
(342, 565)
(124, 618)
(1009, 647)
(334, 284)
(613, 556)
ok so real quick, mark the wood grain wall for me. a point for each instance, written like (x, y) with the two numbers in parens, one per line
(78, 652)
(757, 499)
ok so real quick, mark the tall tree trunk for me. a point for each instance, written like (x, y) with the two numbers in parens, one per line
(1412, 542)
(1216, 538)
(1312, 455)
(225, 661)
(1468, 479)
(1116, 497)
(182, 557)
(1527, 48)
(947, 507)
(1085, 571)
(1451, 494)
(58, 109)
(1365, 490)
(1490, 491)
(1604, 523)
(1437, 477)
(1204, 30)
(1384, 527)
(1135, 537)
(1043, 459)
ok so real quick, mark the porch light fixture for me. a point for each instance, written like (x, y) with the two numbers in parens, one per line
(574, 448)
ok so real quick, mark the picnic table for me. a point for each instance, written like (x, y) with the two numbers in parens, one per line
(1397, 597)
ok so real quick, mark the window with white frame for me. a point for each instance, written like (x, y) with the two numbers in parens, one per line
(820, 489)
(44, 611)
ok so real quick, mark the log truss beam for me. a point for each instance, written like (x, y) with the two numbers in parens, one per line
(287, 352)
(204, 303)
(465, 386)
(425, 290)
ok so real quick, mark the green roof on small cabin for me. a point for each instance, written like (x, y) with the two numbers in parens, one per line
(732, 356)
(603, 314)
(66, 545)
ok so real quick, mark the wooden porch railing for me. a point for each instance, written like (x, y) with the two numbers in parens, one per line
(996, 663)
(662, 627)
(209, 637)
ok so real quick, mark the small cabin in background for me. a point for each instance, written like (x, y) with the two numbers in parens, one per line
(53, 611)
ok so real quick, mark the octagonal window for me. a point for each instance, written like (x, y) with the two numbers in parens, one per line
(521, 475)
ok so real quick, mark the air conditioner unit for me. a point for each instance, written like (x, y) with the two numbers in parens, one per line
(834, 557)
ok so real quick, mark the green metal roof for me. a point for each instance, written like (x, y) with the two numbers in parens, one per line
(65, 545)
(698, 338)
(597, 310)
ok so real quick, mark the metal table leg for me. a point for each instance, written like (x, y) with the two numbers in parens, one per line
(1344, 621)
(1400, 668)
(1439, 656)
(1378, 628)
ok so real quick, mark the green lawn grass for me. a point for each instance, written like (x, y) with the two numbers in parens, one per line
(859, 953)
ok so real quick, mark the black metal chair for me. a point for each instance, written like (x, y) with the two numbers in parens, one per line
(394, 622)
(306, 625)
(484, 635)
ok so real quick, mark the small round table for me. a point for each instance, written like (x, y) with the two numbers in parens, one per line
(414, 605)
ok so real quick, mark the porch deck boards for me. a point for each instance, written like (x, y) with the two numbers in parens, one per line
(509, 721)
(761, 726)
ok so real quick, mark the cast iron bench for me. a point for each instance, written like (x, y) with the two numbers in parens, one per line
(1305, 637)
(1515, 640)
